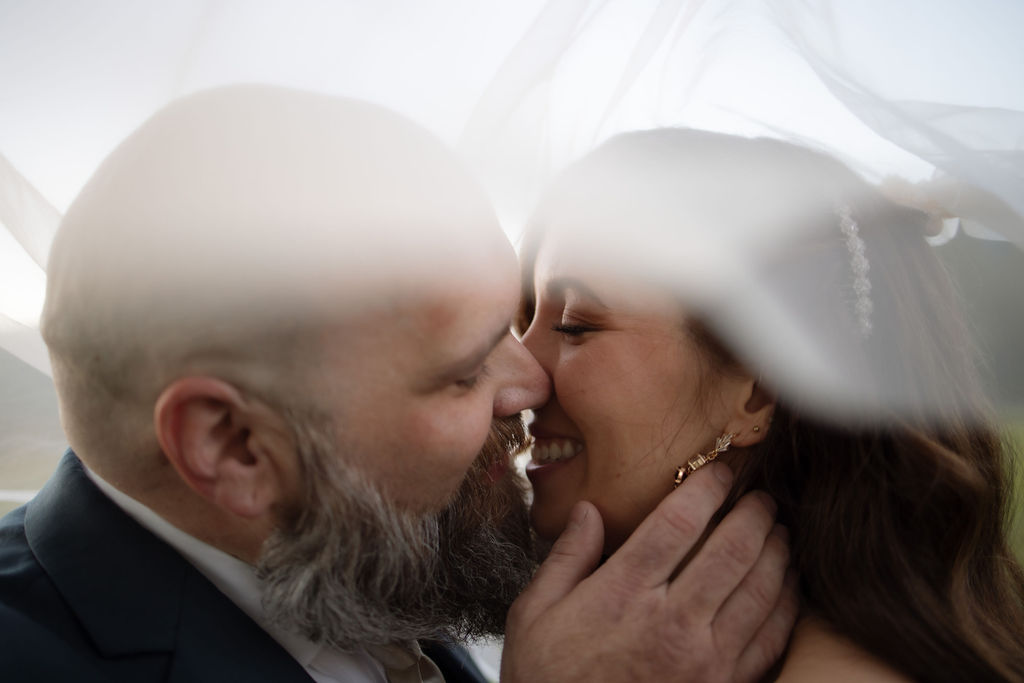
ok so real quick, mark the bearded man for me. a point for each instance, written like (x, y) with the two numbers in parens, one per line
(279, 329)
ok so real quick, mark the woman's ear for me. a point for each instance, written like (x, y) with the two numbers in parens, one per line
(752, 413)
(231, 450)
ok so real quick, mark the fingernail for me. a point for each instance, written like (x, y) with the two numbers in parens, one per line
(723, 473)
(768, 502)
(578, 515)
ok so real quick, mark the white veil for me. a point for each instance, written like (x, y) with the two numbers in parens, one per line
(926, 99)
(929, 91)
(914, 89)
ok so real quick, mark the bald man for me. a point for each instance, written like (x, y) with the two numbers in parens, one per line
(278, 324)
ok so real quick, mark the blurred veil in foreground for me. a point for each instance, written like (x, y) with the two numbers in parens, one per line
(923, 98)
(923, 101)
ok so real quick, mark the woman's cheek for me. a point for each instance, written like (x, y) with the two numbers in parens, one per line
(580, 368)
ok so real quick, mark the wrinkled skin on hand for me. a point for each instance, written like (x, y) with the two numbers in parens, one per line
(726, 617)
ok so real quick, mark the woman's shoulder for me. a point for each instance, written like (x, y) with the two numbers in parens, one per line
(818, 653)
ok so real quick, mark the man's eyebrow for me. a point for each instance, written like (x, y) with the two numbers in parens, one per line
(557, 287)
(471, 362)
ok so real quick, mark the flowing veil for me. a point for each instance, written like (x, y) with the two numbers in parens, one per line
(927, 96)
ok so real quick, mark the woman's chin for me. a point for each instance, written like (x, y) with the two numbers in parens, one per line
(547, 527)
(549, 524)
(554, 494)
(549, 515)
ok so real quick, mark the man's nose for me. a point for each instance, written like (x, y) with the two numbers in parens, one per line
(535, 342)
(525, 385)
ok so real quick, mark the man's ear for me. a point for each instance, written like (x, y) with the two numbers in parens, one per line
(231, 450)
(752, 413)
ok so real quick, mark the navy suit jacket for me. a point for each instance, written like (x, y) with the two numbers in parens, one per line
(87, 594)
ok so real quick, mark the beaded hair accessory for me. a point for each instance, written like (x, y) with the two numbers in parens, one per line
(862, 307)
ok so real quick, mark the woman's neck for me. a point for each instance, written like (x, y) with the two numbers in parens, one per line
(818, 653)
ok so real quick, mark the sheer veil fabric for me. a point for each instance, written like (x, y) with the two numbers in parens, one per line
(927, 95)
(922, 99)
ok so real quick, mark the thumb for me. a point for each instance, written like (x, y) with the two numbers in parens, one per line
(572, 558)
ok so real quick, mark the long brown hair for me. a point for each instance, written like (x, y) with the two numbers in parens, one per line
(899, 523)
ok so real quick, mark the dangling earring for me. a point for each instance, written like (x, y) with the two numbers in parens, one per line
(722, 444)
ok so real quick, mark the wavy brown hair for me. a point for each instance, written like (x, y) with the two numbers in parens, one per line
(899, 523)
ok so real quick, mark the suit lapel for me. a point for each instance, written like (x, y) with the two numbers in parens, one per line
(122, 582)
(221, 643)
(136, 595)
(454, 661)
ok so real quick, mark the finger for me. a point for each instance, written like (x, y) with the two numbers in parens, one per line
(749, 606)
(726, 558)
(772, 639)
(651, 555)
(572, 558)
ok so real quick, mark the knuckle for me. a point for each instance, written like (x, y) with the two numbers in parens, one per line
(681, 521)
(764, 595)
(737, 550)
(713, 489)
(701, 659)
(621, 597)
(690, 628)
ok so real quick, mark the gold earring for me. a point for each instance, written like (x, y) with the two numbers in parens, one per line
(757, 429)
(722, 444)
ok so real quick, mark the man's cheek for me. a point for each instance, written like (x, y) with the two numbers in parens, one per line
(434, 460)
(454, 435)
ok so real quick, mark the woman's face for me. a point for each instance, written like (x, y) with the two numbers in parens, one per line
(632, 397)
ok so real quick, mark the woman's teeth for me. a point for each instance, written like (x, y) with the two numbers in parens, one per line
(547, 451)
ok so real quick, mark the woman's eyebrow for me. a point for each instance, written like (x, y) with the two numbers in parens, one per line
(557, 287)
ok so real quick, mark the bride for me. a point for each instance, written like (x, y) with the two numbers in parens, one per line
(696, 296)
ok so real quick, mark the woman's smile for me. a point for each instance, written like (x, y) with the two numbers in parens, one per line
(550, 451)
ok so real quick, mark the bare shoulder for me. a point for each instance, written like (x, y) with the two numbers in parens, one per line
(817, 653)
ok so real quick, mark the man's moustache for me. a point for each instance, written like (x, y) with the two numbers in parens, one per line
(508, 438)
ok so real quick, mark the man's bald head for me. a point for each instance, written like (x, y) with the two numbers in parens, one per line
(227, 226)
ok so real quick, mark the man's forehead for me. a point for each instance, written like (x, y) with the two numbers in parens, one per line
(440, 313)
(312, 195)
(474, 307)
(449, 330)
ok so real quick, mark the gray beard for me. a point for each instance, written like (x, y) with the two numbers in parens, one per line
(349, 569)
